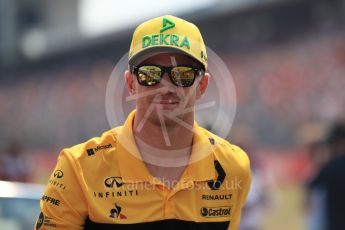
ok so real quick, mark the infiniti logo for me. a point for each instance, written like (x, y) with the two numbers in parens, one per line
(58, 174)
(110, 181)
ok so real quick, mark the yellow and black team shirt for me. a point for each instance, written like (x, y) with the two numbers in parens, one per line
(103, 184)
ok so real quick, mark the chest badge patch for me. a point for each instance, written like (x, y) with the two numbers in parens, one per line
(115, 213)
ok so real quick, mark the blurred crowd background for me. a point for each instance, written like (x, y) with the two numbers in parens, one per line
(287, 59)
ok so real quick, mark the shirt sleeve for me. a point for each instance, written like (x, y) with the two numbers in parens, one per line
(63, 204)
(244, 187)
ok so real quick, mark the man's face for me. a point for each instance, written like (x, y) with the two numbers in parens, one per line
(165, 101)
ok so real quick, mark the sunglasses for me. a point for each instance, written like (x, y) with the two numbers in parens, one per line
(181, 76)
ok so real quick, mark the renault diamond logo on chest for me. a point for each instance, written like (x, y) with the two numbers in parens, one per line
(215, 184)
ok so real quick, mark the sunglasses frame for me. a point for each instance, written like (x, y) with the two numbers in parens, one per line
(197, 72)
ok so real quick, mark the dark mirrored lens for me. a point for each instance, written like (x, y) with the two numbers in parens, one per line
(183, 76)
(149, 75)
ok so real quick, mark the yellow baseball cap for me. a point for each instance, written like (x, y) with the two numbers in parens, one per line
(168, 32)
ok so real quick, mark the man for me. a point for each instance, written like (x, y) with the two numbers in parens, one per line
(160, 169)
(327, 188)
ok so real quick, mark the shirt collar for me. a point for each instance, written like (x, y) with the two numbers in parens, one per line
(133, 169)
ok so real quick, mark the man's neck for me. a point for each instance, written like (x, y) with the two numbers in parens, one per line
(165, 153)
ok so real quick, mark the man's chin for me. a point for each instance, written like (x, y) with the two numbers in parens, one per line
(164, 119)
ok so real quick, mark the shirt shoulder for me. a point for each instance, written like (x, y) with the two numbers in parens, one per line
(95, 147)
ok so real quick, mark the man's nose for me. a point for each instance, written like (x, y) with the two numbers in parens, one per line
(166, 84)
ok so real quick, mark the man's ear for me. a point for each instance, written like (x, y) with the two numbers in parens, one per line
(202, 85)
(129, 79)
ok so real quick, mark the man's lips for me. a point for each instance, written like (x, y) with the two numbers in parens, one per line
(166, 102)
